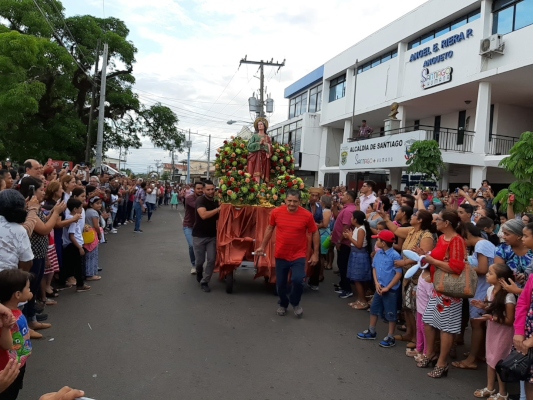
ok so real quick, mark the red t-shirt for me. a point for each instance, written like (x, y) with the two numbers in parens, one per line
(291, 229)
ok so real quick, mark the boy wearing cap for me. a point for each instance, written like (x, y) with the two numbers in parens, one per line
(387, 278)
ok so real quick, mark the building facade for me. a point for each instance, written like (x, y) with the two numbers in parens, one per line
(459, 72)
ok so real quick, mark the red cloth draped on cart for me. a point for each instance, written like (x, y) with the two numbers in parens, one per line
(236, 230)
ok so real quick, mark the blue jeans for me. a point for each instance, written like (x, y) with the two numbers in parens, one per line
(297, 279)
(188, 235)
(138, 215)
(150, 207)
(385, 305)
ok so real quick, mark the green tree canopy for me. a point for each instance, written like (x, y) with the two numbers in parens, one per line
(426, 159)
(46, 81)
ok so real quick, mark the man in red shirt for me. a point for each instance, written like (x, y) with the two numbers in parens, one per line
(190, 217)
(291, 222)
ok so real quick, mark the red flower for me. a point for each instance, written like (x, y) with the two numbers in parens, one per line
(225, 142)
(219, 190)
(241, 166)
(225, 153)
(236, 190)
(228, 173)
(252, 190)
(231, 160)
(234, 144)
(287, 178)
(282, 191)
(440, 308)
(216, 155)
(289, 184)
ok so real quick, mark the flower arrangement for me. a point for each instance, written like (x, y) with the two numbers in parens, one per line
(282, 160)
(236, 185)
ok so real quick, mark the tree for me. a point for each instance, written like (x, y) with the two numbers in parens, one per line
(520, 164)
(165, 176)
(426, 159)
(45, 85)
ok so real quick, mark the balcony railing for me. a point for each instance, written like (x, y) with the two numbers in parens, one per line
(449, 139)
(501, 144)
(453, 139)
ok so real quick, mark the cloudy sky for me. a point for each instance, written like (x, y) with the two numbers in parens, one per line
(189, 52)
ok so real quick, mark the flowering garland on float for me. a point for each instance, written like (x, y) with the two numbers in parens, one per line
(236, 185)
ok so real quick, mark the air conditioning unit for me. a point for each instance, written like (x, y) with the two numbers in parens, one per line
(490, 45)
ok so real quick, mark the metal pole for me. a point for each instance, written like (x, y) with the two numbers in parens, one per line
(261, 84)
(189, 161)
(208, 156)
(101, 113)
(91, 112)
(354, 93)
(173, 169)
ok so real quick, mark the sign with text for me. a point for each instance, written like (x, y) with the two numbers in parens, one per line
(388, 151)
(435, 78)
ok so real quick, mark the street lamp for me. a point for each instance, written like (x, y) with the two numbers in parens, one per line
(231, 122)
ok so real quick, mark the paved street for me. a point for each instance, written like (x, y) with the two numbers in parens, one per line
(146, 331)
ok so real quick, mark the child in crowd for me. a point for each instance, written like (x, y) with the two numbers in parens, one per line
(359, 268)
(487, 226)
(73, 251)
(499, 313)
(387, 280)
(382, 225)
(15, 341)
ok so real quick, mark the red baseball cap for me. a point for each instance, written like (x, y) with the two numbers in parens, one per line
(385, 235)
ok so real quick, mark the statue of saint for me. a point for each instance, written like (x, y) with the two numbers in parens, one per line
(260, 150)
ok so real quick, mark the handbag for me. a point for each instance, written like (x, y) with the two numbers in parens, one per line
(515, 367)
(89, 235)
(462, 286)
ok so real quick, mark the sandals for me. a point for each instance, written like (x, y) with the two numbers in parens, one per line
(359, 305)
(425, 361)
(83, 288)
(411, 353)
(498, 396)
(438, 372)
(93, 278)
(485, 392)
(462, 365)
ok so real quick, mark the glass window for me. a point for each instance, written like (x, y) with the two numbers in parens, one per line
(319, 100)
(394, 54)
(503, 21)
(442, 31)
(366, 67)
(523, 14)
(337, 88)
(386, 57)
(413, 44)
(474, 15)
(375, 62)
(297, 138)
(458, 23)
(499, 4)
(427, 38)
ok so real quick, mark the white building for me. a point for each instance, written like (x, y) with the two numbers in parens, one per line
(474, 97)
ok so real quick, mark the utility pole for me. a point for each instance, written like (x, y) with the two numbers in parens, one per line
(188, 144)
(157, 165)
(208, 156)
(93, 99)
(262, 78)
(173, 168)
(101, 113)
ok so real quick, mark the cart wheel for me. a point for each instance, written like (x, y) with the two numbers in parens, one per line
(229, 283)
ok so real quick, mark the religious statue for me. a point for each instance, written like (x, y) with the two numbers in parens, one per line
(260, 150)
(394, 110)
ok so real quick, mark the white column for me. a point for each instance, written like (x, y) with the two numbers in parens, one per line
(481, 137)
(477, 175)
(444, 180)
(402, 116)
(342, 177)
(348, 131)
(395, 177)
(323, 154)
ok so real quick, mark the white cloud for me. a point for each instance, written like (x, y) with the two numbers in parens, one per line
(189, 51)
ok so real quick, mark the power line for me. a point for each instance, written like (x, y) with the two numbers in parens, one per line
(58, 39)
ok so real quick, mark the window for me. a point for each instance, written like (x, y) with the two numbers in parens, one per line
(337, 88)
(298, 105)
(377, 61)
(511, 15)
(315, 99)
(472, 16)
